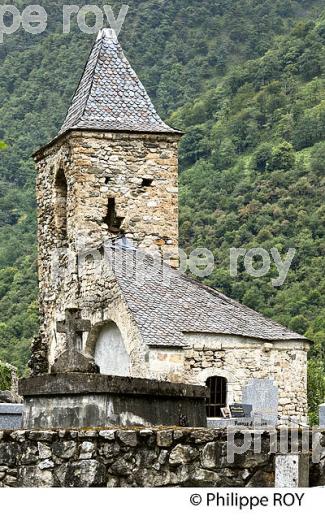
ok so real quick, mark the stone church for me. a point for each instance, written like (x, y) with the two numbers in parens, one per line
(107, 189)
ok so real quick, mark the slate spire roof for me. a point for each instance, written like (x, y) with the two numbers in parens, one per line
(110, 95)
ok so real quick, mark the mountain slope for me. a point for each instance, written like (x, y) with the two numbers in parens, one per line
(254, 161)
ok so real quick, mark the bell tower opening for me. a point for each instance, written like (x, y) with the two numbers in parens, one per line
(61, 193)
(112, 221)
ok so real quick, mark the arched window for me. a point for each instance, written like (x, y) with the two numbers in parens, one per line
(61, 192)
(218, 395)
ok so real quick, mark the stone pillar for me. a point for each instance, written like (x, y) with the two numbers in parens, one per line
(292, 470)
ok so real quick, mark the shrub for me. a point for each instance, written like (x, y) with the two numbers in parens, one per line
(5, 377)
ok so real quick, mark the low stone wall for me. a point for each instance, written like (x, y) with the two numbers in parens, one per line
(155, 457)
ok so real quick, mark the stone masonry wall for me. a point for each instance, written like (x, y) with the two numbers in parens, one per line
(129, 458)
(239, 360)
(138, 171)
(153, 457)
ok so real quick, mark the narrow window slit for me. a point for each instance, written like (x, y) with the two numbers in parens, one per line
(112, 221)
(61, 193)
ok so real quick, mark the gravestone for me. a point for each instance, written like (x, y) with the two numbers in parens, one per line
(11, 409)
(322, 415)
(262, 394)
(11, 416)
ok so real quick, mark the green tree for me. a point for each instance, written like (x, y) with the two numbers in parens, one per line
(262, 157)
(283, 157)
(316, 389)
(317, 159)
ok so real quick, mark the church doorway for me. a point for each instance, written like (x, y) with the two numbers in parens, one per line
(110, 353)
(217, 395)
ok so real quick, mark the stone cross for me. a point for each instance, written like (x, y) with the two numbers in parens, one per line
(72, 360)
(72, 327)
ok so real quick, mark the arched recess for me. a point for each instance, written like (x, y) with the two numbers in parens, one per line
(60, 204)
(106, 345)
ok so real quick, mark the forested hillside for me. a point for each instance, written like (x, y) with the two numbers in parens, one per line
(245, 79)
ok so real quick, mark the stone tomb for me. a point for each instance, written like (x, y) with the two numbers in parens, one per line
(75, 395)
(78, 400)
(262, 394)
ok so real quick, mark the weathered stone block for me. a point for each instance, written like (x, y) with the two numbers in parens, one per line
(211, 455)
(33, 476)
(109, 435)
(87, 450)
(182, 455)
(46, 464)
(164, 438)
(64, 450)
(129, 438)
(39, 435)
(8, 453)
(44, 451)
(86, 473)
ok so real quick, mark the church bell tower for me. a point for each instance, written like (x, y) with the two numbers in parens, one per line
(111, 172)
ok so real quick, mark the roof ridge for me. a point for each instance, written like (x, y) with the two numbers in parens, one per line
(93, 78)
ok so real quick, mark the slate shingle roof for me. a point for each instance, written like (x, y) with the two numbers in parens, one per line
(110, 96)
(165, 304)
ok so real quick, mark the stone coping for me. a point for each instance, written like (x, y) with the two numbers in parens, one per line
(105, 134)
(11, 408)
(76, 383)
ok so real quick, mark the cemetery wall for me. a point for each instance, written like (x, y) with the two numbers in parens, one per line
(154, 457)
